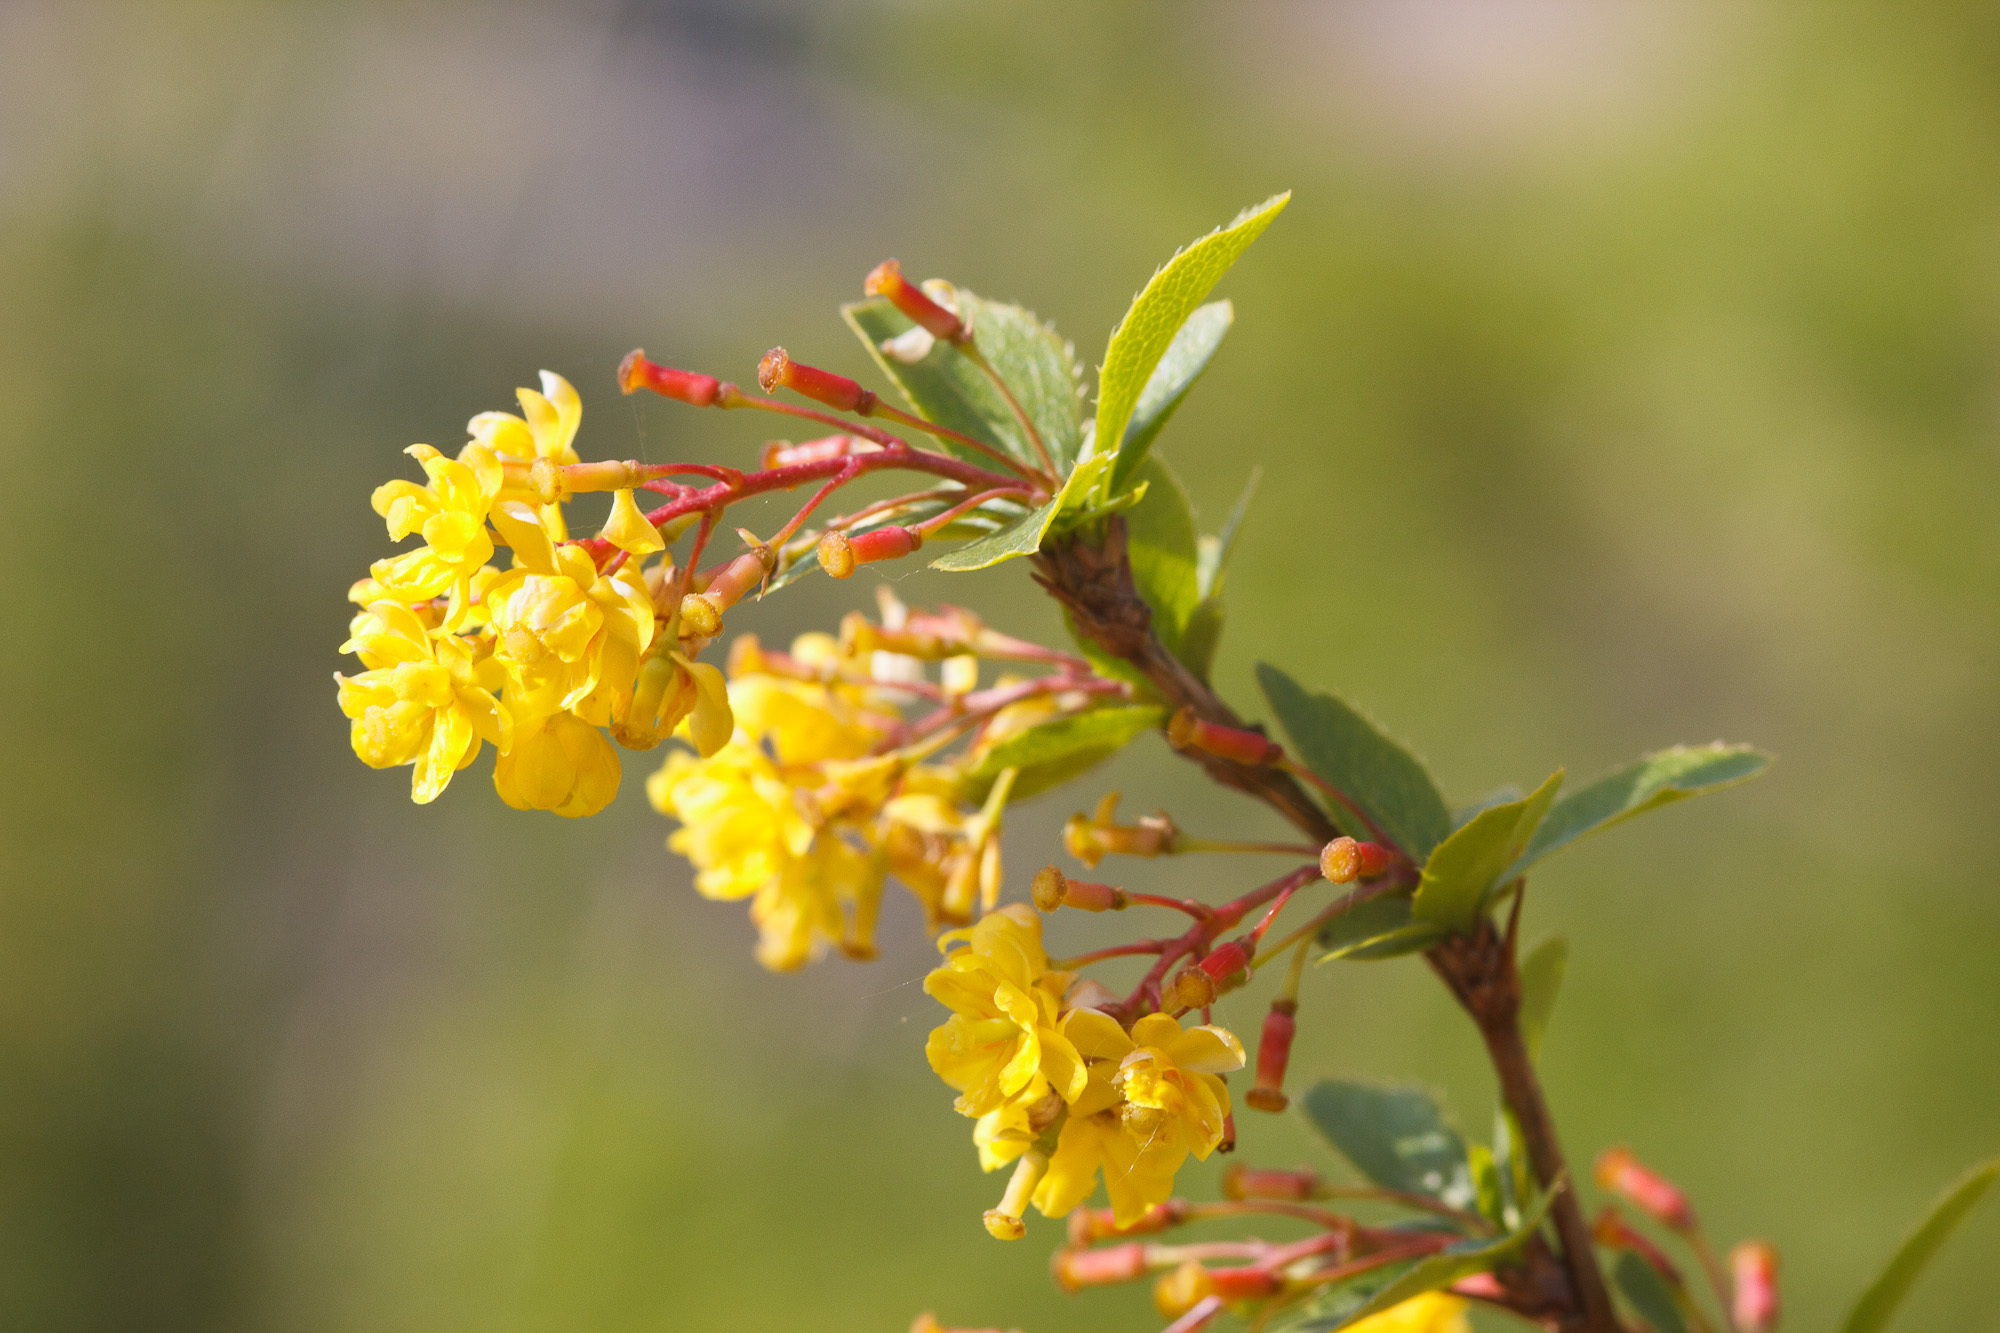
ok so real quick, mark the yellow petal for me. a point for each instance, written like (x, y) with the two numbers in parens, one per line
(521, 528)
(1155, 1030)
(1206, 1050)
(627, 528)
(1096, 1035)
(712, 723)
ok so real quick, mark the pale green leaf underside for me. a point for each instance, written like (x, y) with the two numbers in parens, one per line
(1453, 1265)
(1541, 981)
(1872, 1312)
(1461, 871)
(1157, 313)
(1358, 759)
(1647, 784)
(1160, 542)
(1052, 753)
(1396, 1136)
(1185, 359)
(1039, 366)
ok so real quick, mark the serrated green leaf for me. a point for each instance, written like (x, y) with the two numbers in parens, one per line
(1024, 537)
(1463, 869)
(1156, 316)
(1053, 752)
(1396, 1136)
(1658, 779)
(1185, 358)
(946, 388)
(1456, 1264)
(1214, 551)
(1498, 796)
(1376, 929)
(1878, 1303)
(1652, 1299)
(1160, 543)
(1541, 981)
(1348, 751)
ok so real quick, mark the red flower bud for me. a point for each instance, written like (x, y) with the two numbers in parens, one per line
(840, 554)
(1344, 860)
(1245, 1182)
(1052, 889)
(888, 282)
(1753, 1271)
(778, 453)
(1087, 1226)
(1274, 1052)
(1077, 1269)
(1631, 1180)
(1188, 732)
(1226, 963)
(822, 386)
(635, 372)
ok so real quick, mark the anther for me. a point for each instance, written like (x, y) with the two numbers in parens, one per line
(1188, 732)
(777, 370)
(635, 372)
(1345, 860)
(887, 281)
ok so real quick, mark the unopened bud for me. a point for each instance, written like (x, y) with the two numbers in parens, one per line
(698, 617)
(1227, 964)
(1189, 732)
(1191, 988)
(1087, 1226)
(840, 554)
(1076, 1269)
(1181, 1290)
(1753, 1271)
(1345, 860)
(1227, 1143)
(1652, 1194)
(1052, 889)
(780, 453)
(888, 282)
(1274, 1053)
(733, 580)
(1244, 1182)
(777, 370)
(635, 372)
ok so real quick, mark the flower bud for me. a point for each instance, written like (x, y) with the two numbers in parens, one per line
(1753, 1272)
(781, 453)
(1244, 1182)
(1087, 1226)
(1052, 889)
(1227, 1143)
(1274, 1052)
(777, 370)
(1191, 988)
(1227, 964)
(1624, 1175)
(635, 372)
(1076, 1269)
(840, 554)
(1344, 860)
(1189, 732)
(736, 578)
(888, 282)
(698, 617)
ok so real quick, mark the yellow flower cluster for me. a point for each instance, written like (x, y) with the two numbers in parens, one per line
(809, 806)
(538, 659)
(1065, 1088)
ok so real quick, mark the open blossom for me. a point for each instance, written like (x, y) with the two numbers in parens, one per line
(1003, 1037)
(424, 700)
(450, 514)
(1152, 1099)
(557, 762)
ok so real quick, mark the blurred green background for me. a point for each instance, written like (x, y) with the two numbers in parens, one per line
(1624, 374)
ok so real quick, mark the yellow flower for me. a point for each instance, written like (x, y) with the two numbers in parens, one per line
(804, 721)
(557, 621)
(557, 762)
(1003, 1032)
(552, 417)
(672, 689)
(1152, 1097)
(421, 701)
(1432, 1312)
(450, 513)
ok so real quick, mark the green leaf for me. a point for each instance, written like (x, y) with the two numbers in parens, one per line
(1871, 1313)
(1052, 753)
(1395, 1136)
(1155, 318)
(1486, 1181)
(1215, 551)
(1160, 543)
(1025, 536)
(1463, 869)
(1378, 928)
(946, 388)
(1347, 750)
(1541, 980)
(1656, 780)
(1336, 1304)
(1498, 796)
(1652, 1299)
(1186, 357)
(1456, 1264)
